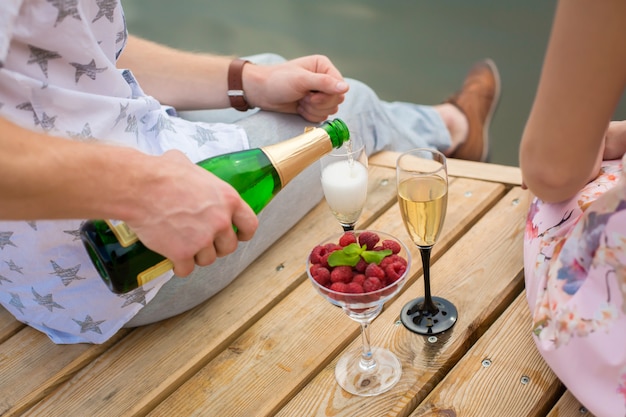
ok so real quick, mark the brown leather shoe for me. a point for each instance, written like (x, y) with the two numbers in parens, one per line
(477, 99)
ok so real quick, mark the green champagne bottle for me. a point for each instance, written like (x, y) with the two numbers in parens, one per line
(124, 263)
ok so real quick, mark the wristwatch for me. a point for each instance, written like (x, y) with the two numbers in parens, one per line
(235, 86)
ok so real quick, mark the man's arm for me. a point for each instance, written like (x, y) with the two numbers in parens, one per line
(176, 208)
(184, 80)
(47, 177)
(310, 86)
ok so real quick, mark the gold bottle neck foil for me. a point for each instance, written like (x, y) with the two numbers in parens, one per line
(292, 156)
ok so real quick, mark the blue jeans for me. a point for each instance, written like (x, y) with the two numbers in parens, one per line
(396, 126)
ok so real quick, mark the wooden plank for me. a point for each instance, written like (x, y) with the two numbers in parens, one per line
(141, 370)
(461, 168)
(485, 265)
(289, 345)
(32, 366)
(8, 325)
(502, 375)
(569, 406)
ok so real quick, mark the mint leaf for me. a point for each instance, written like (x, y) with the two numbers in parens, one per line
(351, 254)
(375, 256)
(353, 249)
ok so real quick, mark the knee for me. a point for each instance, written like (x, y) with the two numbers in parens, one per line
(360, 96)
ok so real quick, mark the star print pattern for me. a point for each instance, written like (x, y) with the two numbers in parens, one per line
(75, 233)
(203, 136)
(17, 302)
(89, 325)
(66, 8)
(163, 123)
(136, 296)
(67, 275)
(41, 57)
(29, 107)
(121, 37)
(13, 267)
(47, 122)
(64, 81)
(123, 113)
(107, 7)
(82, 135)
(5, 239)
(90, 70)
(132, 126)
(45, 301)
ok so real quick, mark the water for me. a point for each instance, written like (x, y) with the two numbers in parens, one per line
(407, 50)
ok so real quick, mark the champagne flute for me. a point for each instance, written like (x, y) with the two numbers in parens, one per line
(422, 181)
(344, 181)
(371, 370)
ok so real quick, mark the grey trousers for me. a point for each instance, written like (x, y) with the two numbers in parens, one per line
(382, 125)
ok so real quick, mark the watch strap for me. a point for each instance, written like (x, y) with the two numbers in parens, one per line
(235, 85)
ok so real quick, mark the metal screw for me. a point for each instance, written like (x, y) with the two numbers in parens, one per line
(280, 267)
(524, 380)
(515, 201)
(432, 339)
(468, 193)
(384, 182)
(486, 363)
(582, 410)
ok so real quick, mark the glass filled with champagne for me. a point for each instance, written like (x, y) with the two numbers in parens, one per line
(344, 181)
(422, 181)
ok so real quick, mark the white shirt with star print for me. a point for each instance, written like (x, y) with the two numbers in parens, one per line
(58, 76)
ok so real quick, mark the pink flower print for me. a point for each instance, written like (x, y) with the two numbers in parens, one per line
(532, 231)
(621, 386)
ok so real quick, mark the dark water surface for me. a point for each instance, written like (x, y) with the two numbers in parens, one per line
(408, 50)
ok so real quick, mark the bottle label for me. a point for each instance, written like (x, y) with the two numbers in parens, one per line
(122, 232)
(154, 272)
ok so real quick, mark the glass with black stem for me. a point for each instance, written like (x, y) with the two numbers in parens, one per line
(422, 181)
(344, 181)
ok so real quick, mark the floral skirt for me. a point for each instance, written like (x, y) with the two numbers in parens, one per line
(575, 271)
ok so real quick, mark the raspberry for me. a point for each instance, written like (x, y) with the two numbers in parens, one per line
(347, 238)
(372, 284)
(341, 274)
(339, 286)
(360, 266)
(394, 271)
(324, 260)
(331, 247)
(359, 278)
(317, 253)
(354, 288)
(320, 274)
(374, 270)
(388, 260)
(392, 245)
(369, 239)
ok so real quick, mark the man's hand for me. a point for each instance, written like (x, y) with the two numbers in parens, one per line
(187, 214)
(310, 86)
